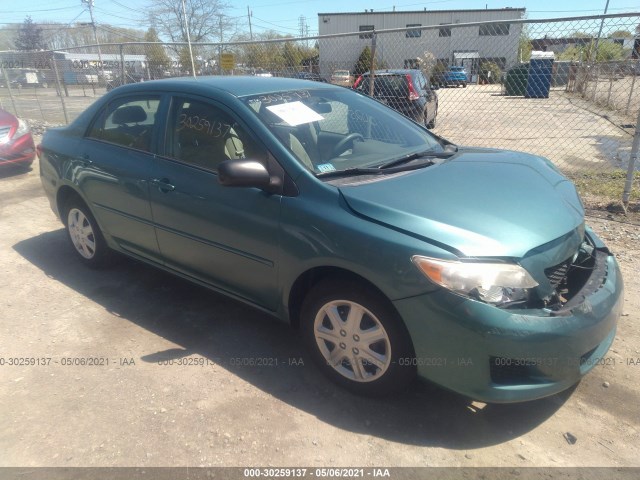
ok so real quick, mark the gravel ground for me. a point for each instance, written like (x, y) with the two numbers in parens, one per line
(141, 410)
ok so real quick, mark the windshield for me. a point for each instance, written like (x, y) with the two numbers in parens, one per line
(331, 130)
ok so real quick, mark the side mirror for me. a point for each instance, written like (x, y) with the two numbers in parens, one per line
(243, 173)
(322, 107)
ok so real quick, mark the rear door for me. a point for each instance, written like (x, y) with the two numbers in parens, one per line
(116, 159)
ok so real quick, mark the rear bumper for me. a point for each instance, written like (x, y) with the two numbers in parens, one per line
(501, 356)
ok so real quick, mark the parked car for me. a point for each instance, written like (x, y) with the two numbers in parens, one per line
(394, 251)
(342, 78)
(455, 76)
(309, 76)
(406, 91)
(117, 80)
(16, 143)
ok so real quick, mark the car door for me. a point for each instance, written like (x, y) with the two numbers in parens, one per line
(223, 236)
(116, 155)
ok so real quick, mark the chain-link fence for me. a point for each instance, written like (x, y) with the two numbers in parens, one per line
(567, 89)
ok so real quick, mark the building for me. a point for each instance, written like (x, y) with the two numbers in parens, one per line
(449, 43)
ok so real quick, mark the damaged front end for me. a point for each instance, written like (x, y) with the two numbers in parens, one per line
(576, 278)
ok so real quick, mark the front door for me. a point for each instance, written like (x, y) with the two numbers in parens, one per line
(224, 236)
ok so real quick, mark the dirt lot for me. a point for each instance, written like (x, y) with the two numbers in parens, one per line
(138, 409)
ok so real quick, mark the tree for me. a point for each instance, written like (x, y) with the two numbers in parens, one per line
(206, 19)
(525, 47)
(364, 62)
(156, 56)
(621, 34)
(29, 36)
(607, 51)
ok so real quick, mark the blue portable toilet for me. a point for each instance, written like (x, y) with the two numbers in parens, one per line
(540, 70)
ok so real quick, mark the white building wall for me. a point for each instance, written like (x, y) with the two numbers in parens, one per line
(394, 48)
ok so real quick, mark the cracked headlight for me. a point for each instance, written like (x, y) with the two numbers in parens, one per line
(494, 283)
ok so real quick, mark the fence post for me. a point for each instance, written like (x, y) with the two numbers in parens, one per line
(632, 165)
(121, 64)
(13, 102)
(64, 106)
(372, 69)
(633, 84)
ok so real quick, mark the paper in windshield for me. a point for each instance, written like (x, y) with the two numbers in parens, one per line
(295, 113)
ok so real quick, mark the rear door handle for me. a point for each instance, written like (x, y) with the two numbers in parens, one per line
(163, 185)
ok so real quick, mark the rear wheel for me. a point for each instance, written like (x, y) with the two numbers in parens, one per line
(85, 235)
(356, 338)
(432, 123)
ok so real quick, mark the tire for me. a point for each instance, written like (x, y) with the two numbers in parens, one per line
(432, 123)
(84, 234)
(338, 343)
(464, 84)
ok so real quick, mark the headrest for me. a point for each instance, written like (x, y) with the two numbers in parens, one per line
(130, 114)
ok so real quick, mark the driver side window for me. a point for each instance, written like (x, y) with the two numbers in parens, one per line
(203, 135)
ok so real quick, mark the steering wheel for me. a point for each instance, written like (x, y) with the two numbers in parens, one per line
(340, 146)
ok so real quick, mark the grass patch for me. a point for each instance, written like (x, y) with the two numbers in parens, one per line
(608, 186)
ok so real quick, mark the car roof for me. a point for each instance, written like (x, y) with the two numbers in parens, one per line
(238, 86)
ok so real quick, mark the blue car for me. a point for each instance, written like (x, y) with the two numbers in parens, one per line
(393, 251)
(456, 76)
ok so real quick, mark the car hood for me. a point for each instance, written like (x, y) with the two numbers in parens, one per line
(489, 203)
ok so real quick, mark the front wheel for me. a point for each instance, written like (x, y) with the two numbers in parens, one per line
(85, 235)
(356, 338)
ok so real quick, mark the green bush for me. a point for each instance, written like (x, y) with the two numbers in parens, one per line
(490, 72)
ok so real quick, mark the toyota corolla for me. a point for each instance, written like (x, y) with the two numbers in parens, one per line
(395, 252)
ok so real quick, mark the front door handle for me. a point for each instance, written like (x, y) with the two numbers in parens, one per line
(163, 185)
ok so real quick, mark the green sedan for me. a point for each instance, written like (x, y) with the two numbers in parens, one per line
(393, 251)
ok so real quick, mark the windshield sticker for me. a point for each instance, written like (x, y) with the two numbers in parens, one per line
(295, 113)
(326, 167)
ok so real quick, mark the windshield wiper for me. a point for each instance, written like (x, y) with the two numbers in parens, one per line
(393, 166)
(414, 156)
(350, 171)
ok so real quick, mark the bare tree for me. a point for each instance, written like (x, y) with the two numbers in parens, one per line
(205, 18)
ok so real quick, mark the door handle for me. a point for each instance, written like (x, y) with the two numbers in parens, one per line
(163, 185)
(85, 160)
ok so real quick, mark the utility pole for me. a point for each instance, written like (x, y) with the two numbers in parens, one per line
(249, 17)
(186, 27)
(606, 7)
(95, 36)
(220, 47)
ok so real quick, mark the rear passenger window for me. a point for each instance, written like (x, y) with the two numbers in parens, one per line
(128, 123)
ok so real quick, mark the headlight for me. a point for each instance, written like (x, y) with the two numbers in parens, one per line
(494, 283)
(23, 129)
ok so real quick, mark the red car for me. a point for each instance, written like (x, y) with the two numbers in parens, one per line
(16, 142)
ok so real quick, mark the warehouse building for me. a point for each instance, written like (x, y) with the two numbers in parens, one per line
(449, 43)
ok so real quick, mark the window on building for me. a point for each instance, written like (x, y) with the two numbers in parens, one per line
(494, 29)
(413, 33)
(367, 28)
(444, 31)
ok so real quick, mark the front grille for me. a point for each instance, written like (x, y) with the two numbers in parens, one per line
(557, 273)
(514, 371)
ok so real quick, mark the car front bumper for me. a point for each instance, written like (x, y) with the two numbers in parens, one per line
(499, 355)
(21, 151)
